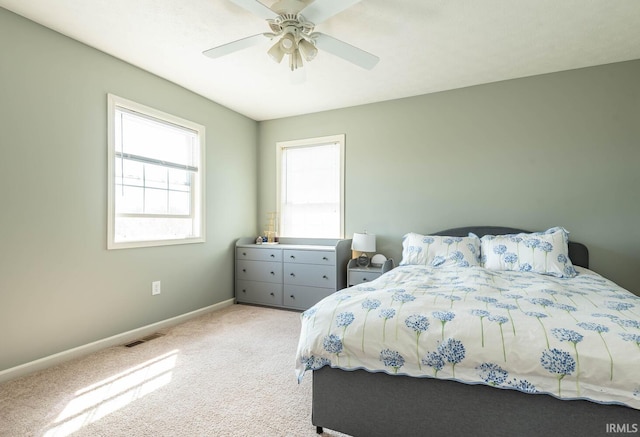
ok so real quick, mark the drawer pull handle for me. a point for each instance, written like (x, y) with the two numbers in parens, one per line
(325, 277)
(244, 253)
(292, 296)
(324, 258)
(293, 275)
(273, 273)
(272, 255)
(292, 257)
(244, 291)
(244, 270)
(271, 294)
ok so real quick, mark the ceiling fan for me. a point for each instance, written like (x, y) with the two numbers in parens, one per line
(292, 23)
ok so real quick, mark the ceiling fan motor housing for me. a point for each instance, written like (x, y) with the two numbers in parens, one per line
(293, 24)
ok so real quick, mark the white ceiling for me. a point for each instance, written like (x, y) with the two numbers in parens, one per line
(424, 46)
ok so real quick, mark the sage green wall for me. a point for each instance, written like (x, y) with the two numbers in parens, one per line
(558, 149)
(59, 285)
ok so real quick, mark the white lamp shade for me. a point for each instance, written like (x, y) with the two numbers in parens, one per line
(364, 242)
(276, 52)
(309, 51)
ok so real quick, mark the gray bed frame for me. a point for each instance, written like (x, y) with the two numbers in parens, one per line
(361, 403)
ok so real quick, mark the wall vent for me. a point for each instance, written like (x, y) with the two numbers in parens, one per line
(144, 339)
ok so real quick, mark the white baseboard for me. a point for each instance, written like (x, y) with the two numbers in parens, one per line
(119, 339)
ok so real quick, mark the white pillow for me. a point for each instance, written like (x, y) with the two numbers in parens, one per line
(539, 252)
(440, 251)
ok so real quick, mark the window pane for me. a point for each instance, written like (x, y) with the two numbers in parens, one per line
(179, 202)
(179, 180)
(129, 200)
(146, 137)
(317, 221)
(311, 189)
(155, 176)
(312, 174)
(130, 172)
(146, 228)
(155, 201)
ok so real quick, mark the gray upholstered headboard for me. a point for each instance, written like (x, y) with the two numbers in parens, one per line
(578, 252)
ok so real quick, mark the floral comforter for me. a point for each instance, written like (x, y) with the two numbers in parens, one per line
(571, 338)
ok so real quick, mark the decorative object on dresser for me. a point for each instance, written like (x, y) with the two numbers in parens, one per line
(295, 274)
(270, 231)
(357, 274)
(363, 243)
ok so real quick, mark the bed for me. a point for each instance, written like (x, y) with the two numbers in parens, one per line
(452, 359)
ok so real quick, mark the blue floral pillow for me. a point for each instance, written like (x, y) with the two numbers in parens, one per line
(439, 251)
(540, 252)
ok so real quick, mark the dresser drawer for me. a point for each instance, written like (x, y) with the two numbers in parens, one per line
(259, 271)
(301, 297)
(310, 274)
(265, 293)
(323, 257)
(360, 277)
(256, 254)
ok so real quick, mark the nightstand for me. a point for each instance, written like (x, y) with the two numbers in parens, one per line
(357, 275)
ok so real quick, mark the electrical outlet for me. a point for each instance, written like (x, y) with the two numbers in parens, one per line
(155, 288)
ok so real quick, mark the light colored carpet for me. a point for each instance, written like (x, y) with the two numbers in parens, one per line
(227, 373)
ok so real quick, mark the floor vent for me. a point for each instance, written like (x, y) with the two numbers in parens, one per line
(152, 336)
(144, 339)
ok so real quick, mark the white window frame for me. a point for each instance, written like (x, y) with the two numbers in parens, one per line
(197, 191)
(310, 142)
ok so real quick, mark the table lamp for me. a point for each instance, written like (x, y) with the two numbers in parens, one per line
(363, 243)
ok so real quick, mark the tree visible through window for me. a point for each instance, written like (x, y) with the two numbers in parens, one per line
(156, 177)
(311, 187)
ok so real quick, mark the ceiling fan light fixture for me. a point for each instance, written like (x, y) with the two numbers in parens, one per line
(288, 43)
(276, 52)
(309, 51)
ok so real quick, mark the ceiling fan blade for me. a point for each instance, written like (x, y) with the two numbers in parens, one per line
(234, 46)
(345, 51)
(257, 8)
(320, 10)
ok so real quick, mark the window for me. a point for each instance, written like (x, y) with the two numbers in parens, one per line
(156, 177)
(311, 187)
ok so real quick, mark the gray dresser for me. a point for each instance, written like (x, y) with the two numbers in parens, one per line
(296, 273)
